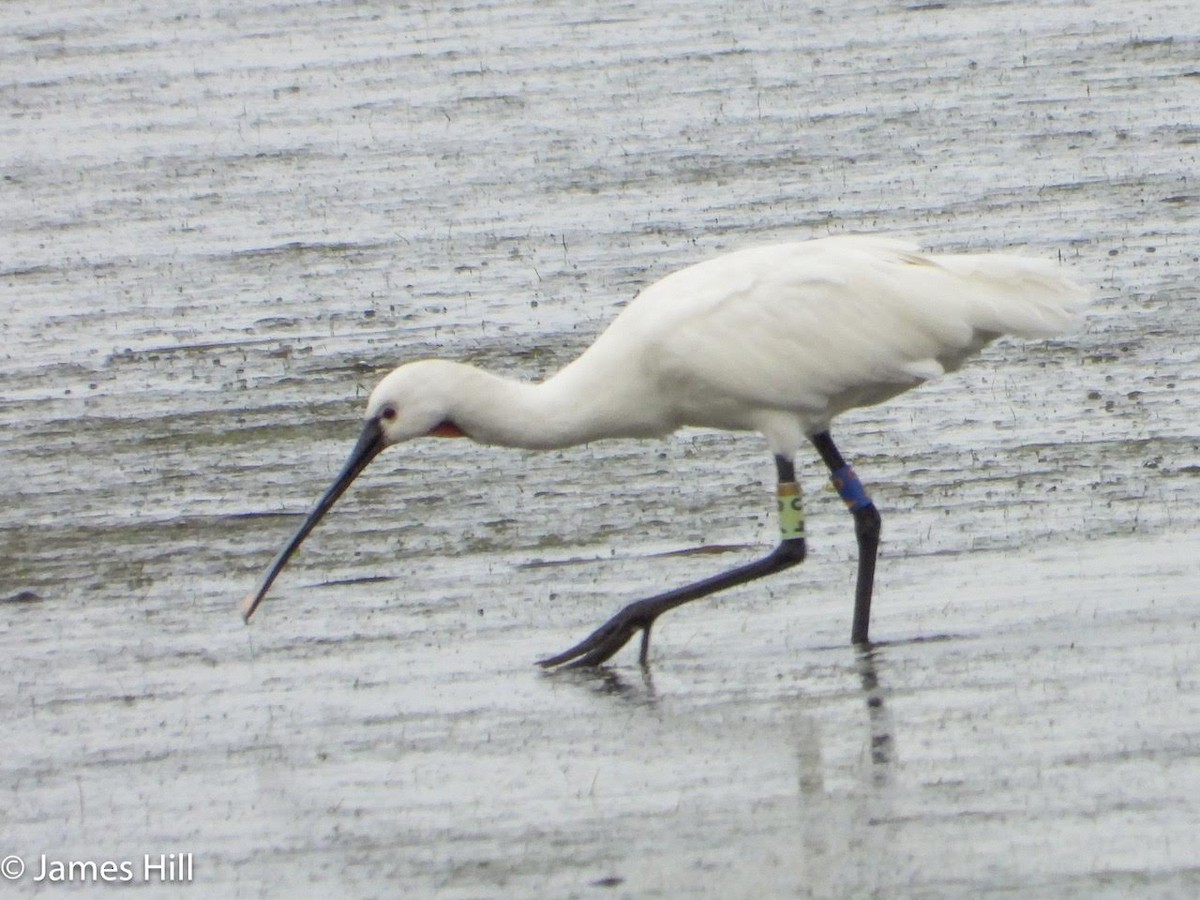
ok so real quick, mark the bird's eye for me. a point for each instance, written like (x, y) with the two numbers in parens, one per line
(387, 413)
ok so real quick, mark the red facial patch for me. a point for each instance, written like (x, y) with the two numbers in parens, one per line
(446, 429)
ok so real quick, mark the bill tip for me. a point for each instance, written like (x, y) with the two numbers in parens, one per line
(249, 602)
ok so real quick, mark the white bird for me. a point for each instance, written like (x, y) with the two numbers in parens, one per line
(776, 339)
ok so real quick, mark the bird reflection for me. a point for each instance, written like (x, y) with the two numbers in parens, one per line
(610, 682)
(879, 716)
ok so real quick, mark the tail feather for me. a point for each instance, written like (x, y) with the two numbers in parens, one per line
(1029, 298)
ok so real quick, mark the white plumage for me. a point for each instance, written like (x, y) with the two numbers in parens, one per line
(777, 339)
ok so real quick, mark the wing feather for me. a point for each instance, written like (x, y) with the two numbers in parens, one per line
(819, 327)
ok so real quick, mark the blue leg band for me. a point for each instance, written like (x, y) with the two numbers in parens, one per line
(850, 489)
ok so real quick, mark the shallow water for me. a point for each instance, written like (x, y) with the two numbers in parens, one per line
(223, 222)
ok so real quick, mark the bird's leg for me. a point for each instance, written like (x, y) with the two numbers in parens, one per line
(866, 528)
(640, 615)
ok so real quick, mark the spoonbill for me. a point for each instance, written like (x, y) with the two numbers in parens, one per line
(776, 339)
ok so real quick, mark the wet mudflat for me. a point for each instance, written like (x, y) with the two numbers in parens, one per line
(221, 223)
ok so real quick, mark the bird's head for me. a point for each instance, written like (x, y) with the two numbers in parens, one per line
(412, 401)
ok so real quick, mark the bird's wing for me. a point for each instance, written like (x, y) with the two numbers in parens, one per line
(820, 327)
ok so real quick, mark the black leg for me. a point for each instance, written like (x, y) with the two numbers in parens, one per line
(640, 615)
(867, 526)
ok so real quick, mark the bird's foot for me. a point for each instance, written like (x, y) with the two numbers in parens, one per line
(640, 615)
(610, 637)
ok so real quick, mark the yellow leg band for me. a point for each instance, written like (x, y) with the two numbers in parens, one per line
(791, 510)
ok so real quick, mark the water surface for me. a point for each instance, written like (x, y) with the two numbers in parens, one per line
(222, 223)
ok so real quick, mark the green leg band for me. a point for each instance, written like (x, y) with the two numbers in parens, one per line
(791, 510)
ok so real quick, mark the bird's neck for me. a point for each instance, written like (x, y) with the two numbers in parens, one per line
(566, 409)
